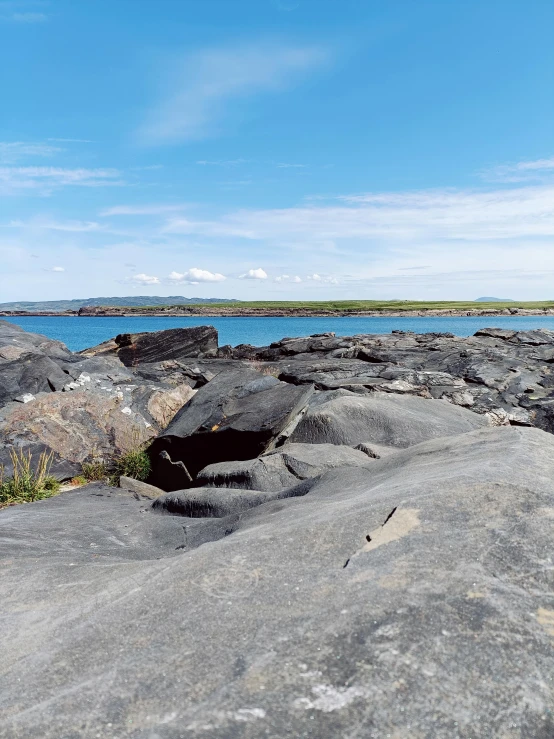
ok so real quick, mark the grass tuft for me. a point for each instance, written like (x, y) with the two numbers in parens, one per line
(134, 463)
(26, 484)
(95, 471)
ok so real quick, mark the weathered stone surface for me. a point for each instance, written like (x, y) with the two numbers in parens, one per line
(238, 415)
(415, 599)
(280, 468)
(136, 349)
(390, 420)
(87, 423)
(137, 486)
(206, 502)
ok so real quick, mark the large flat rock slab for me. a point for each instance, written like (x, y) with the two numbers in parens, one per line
(415, 601)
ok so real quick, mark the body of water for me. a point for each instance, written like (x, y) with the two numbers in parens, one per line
(81, 332)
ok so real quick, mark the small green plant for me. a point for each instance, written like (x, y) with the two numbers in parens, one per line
(134, 463)
(79, 480)
(95, 471)
(27, 484)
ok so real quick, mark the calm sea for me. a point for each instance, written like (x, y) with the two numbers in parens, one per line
(80, 332)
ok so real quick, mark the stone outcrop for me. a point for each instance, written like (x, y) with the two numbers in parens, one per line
(236, 416)
(136, 349)
(345, 537)
(77, 407)
(415, 599)
(281, 468)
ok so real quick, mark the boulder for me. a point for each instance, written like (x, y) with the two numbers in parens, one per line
(236, 416)
(390, 420)
(412, 601)
(156, 346)
(95, 421)
(281, 468)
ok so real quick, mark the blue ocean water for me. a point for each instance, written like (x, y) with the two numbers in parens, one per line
(80, 332)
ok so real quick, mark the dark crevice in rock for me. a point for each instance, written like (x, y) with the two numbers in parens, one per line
(368, 536)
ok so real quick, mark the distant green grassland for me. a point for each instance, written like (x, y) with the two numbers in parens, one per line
(350, 306)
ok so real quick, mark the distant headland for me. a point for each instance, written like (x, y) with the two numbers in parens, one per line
(172, 306)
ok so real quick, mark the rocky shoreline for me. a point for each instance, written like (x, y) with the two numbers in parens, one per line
(236, 312)
(339, 536)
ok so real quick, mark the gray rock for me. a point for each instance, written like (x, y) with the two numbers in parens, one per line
(155, 346)
(280, 468)
(207, 502)
(375, 451)
(137, 486)
(238, 415)
(390, 420)
(415, 600)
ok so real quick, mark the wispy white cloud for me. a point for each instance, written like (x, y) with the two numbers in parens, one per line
(55, 269)
(288, 278)
(27, 17)
(194, 276)
(323, 279)
(222, 162)
(537, 169)
(14, 151)
(72, 141)
(206, 82)
(452, 215)
(143, 279)
(143, 210)
(69, 226)
(254, 274)
(45, 179)
(284, 165)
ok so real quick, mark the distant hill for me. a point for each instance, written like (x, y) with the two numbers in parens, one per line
(493, 300)
(132, 300)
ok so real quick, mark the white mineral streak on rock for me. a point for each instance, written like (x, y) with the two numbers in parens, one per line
(330, 698)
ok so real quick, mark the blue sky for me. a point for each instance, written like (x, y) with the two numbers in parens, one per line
(277, 149)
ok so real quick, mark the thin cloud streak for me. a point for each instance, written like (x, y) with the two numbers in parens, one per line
(206, 82)
(537, 169)
(45, 179)
(14, 151)
(142, 210)
(395, 217)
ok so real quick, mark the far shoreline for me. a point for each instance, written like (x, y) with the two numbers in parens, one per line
(283, 313)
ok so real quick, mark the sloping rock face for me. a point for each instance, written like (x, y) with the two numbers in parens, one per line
(410, 598)
(388, 420)
(236, 416)
(157, 346)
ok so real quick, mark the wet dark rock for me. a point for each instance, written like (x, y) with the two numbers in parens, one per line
(238, 415)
